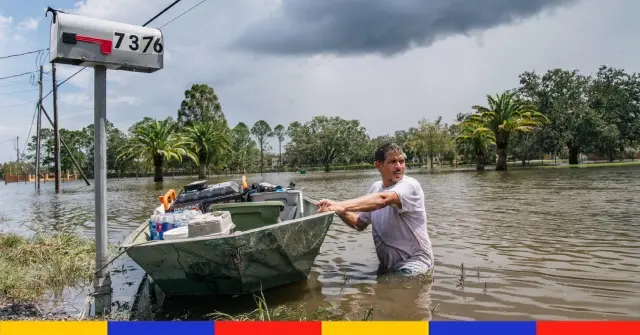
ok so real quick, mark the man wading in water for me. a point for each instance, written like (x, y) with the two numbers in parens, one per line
(394, 206)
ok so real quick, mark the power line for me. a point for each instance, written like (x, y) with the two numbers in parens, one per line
(144, 25)
(162, 12)
(185, 12)
(17, 83)
(9, 140)
(24, 53)
(16, 75)
(22, 104)
(30, 128)
(16, 92)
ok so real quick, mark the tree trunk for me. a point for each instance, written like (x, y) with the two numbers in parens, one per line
(501, 164)
(480, 161)
(327, 167)
(261, 159)
(431, 161)
(157, 163)
(573, 155)
(280, 160)
(202, 169)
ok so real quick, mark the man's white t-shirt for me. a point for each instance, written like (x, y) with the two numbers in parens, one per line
(400, 234)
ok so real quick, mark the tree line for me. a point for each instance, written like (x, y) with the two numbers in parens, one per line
(560, 113)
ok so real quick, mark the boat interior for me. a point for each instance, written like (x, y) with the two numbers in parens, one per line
(263, 209)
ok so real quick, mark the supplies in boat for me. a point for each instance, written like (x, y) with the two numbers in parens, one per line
(199, 195)
(191, 224)
(177, 211)
(161, 223)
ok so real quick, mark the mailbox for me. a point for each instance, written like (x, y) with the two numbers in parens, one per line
(83, 41)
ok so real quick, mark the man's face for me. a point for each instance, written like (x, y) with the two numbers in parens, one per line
(392, 169)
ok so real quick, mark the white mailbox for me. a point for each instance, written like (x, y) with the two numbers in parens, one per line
(83, 41)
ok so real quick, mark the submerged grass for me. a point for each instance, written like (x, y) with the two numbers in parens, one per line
(286, 313)
(45, 263)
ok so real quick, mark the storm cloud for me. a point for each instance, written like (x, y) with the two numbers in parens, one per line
(384, 27)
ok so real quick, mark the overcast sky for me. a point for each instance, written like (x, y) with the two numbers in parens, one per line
(387, 63)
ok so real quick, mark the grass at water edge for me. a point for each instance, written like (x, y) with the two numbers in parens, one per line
(43, 264)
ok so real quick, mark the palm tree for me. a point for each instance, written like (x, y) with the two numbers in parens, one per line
(157, 142)
(208, 141)
(506, 115)
(474, 133)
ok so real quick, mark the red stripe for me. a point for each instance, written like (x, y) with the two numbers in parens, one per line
(105, 45)
(587, 327)
(267, 327)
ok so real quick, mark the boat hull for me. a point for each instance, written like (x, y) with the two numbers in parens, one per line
(240, 263)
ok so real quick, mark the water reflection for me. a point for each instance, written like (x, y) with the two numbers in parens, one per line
(554, 244)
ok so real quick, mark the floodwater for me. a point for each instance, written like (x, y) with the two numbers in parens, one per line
(527, 244)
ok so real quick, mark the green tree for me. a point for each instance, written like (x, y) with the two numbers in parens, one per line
(46, 148)
(562, 96)
(323, 140)
(504, 115)
(200, 105)
(475, 134)
(279, 132)
(430, 140)
(262, 131)
(244, 149)
(155, 143)
(615, 94)
(209, 141)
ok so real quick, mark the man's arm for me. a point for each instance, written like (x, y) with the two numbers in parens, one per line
(370, 202)
(352, 220)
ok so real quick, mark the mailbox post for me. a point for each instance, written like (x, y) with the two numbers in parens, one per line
(102, 45)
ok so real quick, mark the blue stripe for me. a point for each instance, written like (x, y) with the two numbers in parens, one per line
(160, 328)
(482, 327)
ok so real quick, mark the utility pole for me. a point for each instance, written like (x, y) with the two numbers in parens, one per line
(56, 128)
(39, 125)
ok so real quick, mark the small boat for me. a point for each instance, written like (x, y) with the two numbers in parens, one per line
(274, 239)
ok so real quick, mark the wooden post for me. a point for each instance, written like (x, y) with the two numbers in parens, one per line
(39, 126)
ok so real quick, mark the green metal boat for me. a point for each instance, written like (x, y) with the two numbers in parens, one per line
(275, 241)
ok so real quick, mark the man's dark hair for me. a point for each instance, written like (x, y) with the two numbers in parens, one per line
(384, 149)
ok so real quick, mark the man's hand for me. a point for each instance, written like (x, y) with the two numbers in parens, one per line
(326, 205)
(325, 202)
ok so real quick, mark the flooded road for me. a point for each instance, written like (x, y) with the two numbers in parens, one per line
(528, 244)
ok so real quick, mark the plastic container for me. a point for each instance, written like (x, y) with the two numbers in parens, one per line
(153, 232)
(210, 223)
(177, 233)
(159, 224)
(168, 222)
(251, 215)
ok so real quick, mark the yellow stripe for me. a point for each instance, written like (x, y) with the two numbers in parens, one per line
(53, 327)
(374, 327)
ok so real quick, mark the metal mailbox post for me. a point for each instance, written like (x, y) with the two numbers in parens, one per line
(102, 44)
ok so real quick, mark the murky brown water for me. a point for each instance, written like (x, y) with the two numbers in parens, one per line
(535, 244)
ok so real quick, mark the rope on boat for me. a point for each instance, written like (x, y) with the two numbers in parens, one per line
(118, 255)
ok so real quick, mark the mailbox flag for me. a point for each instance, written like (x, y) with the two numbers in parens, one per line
(105, 45)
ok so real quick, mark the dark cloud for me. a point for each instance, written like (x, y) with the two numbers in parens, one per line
(385, 27)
